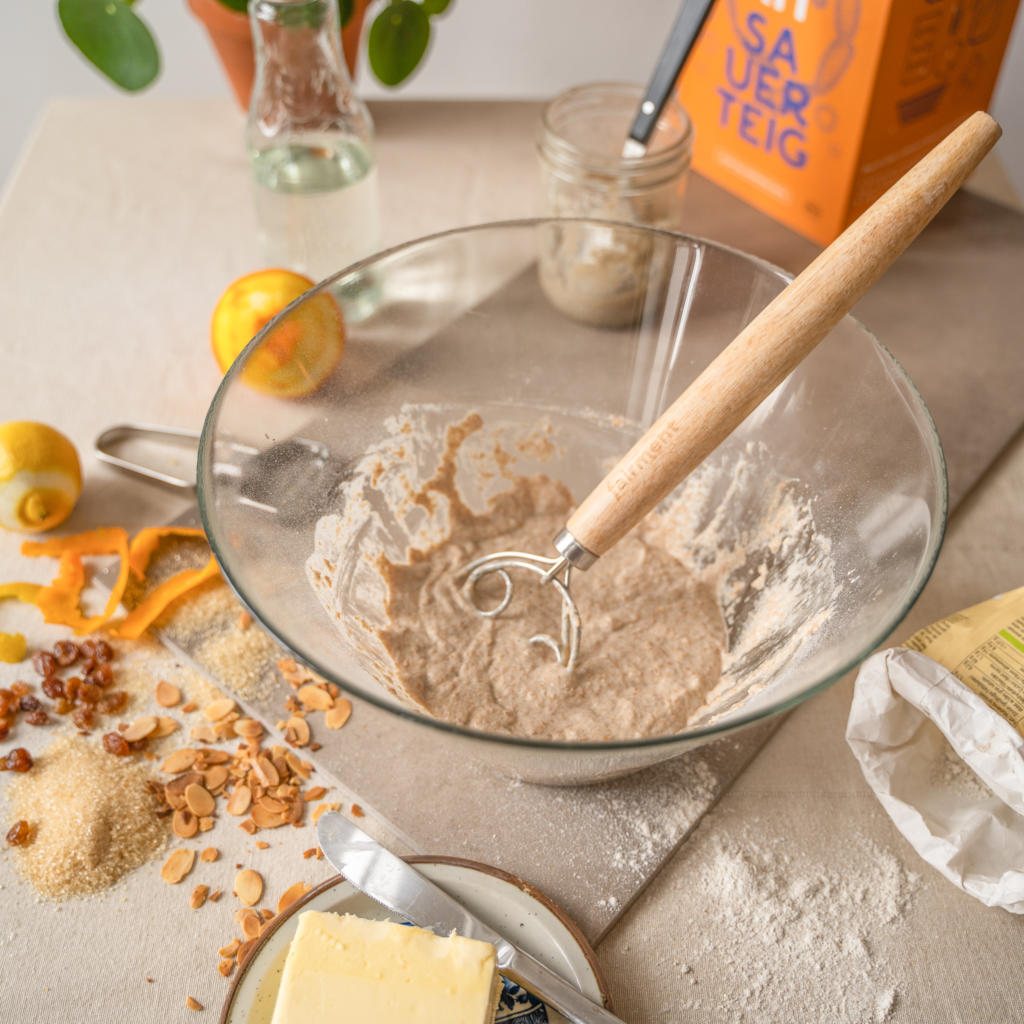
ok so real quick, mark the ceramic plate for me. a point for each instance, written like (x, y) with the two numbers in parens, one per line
(506, 903)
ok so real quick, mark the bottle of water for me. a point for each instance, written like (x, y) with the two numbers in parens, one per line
(310, 142)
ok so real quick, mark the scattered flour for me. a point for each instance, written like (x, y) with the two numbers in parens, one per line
(785, 939)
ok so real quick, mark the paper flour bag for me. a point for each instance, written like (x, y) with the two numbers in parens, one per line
(936, 726)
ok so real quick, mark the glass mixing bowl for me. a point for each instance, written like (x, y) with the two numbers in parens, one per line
(584, 331)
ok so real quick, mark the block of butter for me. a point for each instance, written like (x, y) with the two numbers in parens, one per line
(343, 968)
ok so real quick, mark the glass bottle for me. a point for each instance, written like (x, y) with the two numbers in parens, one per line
(310, 142)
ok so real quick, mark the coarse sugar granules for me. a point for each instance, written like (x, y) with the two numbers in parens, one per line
(93, 818)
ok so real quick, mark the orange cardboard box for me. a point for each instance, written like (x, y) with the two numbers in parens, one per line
(810, 109)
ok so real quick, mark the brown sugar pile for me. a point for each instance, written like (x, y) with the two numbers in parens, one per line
(93, 818)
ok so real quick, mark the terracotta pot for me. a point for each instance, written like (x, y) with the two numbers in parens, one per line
(232, 39)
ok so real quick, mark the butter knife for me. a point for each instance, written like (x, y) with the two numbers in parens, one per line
(403, 890)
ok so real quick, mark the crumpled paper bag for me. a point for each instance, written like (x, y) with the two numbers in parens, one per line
(905, 708)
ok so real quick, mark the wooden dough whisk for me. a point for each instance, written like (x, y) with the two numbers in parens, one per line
(738, 380)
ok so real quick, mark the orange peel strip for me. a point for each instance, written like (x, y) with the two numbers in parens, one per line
(12, 645)
(144, 614)
(59, 601)
(145, 542)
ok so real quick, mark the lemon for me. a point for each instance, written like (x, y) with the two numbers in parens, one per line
(40, 476)
(302, 350)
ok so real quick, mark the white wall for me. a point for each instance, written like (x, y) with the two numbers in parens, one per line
(481, 48)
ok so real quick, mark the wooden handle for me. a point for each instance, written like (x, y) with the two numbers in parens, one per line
(772, 344)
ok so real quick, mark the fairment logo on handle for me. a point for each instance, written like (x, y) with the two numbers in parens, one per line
(810, 109)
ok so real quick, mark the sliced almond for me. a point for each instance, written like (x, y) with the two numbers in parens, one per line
(209, 855)
(174, 791)
(268, 803)
(250, 728)
(314, 697)
(189, 706)
(214, 778)
(314, 794)
(217, 709)
(177, 866)
(248, 886)
(339, 714)
(297, 765)
(244, 620)
(290, 895)
(193, 1004)
(268, 819)
(167, 694)
(296, 809)
(249, 827)
(224, 729)
(296, 731)
(250, 924)
(140, 728)
(262, 845)
(321, 809)
(179, 761)
(199, 800)
(199, 894)
(211, 757)
(244, 950)
(205, 823)
(164, 727)
(226, 967)
(216, 894)
(266, 771)
(240, 799)
(292, 673)
(230, 949)
(204, 733)
(184, 824)
(266, 913)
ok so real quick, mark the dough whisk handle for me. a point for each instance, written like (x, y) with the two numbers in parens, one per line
(774, 343)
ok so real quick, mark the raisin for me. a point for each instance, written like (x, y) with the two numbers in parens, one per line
(71, 687)
(19, 689)
(101, 676)
(37, 717)
(53, 687)
(88, 648)
(63, 706)
(7, 702)
(112, 702)
(83, 718)
(115, 743)
(104, 652)
(29, 704)
(5, 730)
(21, 834)
(19, 760)
(44, 663)
(66, 652)
(89, 694)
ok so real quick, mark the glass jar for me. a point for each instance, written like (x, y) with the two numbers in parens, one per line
(600, 274)
(310, 142)
(583, 171)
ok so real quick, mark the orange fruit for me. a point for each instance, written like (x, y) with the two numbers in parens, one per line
(302, 349)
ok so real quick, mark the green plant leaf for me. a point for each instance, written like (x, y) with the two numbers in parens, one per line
(114, 38)
(347, 9)
(398, 40)
(242, 6)
(433, 7)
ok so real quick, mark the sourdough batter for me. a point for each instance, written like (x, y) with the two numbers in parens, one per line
(652, 633)
(658, 610)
